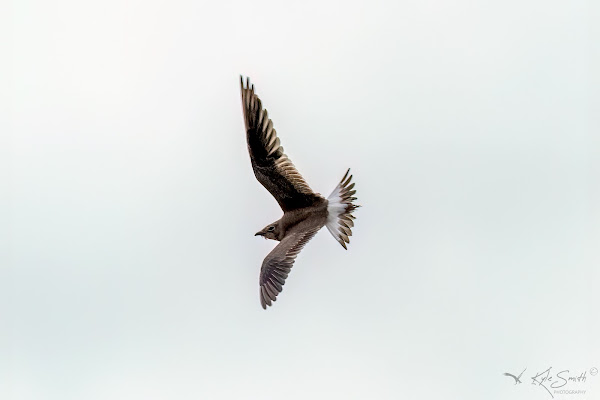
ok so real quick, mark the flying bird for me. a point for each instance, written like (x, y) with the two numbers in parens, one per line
(304, 211)
(516, 378)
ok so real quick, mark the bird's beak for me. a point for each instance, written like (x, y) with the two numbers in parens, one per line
(258, 234)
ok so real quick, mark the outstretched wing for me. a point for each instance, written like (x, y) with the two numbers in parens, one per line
(278, 264)
(271, 166)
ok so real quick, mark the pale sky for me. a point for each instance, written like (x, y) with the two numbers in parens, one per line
(129, 207)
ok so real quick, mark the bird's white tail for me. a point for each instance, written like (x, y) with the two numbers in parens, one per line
(340, 208)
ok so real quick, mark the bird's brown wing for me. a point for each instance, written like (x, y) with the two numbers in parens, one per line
(278, 263)
(271, 166)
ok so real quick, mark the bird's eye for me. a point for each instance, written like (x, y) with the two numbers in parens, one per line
(271, 229)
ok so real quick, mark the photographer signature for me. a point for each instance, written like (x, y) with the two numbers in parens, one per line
(548, 380)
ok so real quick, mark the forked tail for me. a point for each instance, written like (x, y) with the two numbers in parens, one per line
(340, 219)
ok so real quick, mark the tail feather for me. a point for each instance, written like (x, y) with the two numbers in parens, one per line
(340, 219)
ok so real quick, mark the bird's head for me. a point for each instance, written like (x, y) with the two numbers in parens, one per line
(270, 231)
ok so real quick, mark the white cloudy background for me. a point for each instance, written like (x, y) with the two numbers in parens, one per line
(129, 266)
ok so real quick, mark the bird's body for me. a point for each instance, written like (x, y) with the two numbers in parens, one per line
(307, 217)
(304, 212)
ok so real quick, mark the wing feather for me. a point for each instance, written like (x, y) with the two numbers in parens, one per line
(272, 167)
(278, 264)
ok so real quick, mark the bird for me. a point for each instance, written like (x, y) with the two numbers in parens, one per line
(516, 378)
(304, 211)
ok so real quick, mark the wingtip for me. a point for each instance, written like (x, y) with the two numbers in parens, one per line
(263, 301)
(265, 298)
(247, 79)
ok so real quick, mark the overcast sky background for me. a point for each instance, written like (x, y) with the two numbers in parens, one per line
(129, 266)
